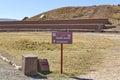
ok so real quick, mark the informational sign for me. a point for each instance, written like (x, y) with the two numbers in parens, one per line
(62, 37)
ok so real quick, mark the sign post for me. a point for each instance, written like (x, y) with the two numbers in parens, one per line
(61, 38)
(61, 67)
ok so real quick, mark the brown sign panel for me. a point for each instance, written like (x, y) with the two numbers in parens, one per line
(62, 37)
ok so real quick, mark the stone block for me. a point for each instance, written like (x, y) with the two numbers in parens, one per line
(43, 65)
(29, 64)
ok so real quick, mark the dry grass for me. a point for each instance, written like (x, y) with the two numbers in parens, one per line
(90, 12)
(82, 56)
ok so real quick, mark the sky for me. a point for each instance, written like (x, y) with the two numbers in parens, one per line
(18, 9)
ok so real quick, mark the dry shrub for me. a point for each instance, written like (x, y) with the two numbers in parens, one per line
(27, 44)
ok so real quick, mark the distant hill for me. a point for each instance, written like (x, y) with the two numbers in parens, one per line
(5, 19)
(112, 12)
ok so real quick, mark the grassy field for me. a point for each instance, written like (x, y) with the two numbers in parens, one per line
(84, 55)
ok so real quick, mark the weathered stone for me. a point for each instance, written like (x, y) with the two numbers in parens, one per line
(29, 64)
(43, 65)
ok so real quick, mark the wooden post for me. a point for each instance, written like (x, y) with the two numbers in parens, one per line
(61, 69)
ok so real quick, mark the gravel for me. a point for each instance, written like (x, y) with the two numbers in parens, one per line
(7, 72)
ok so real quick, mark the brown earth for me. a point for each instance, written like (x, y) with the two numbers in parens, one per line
(112, 12)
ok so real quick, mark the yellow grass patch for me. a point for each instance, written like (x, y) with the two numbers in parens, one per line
(79, 57)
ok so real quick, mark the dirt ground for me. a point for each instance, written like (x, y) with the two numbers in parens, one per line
(110, 67)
